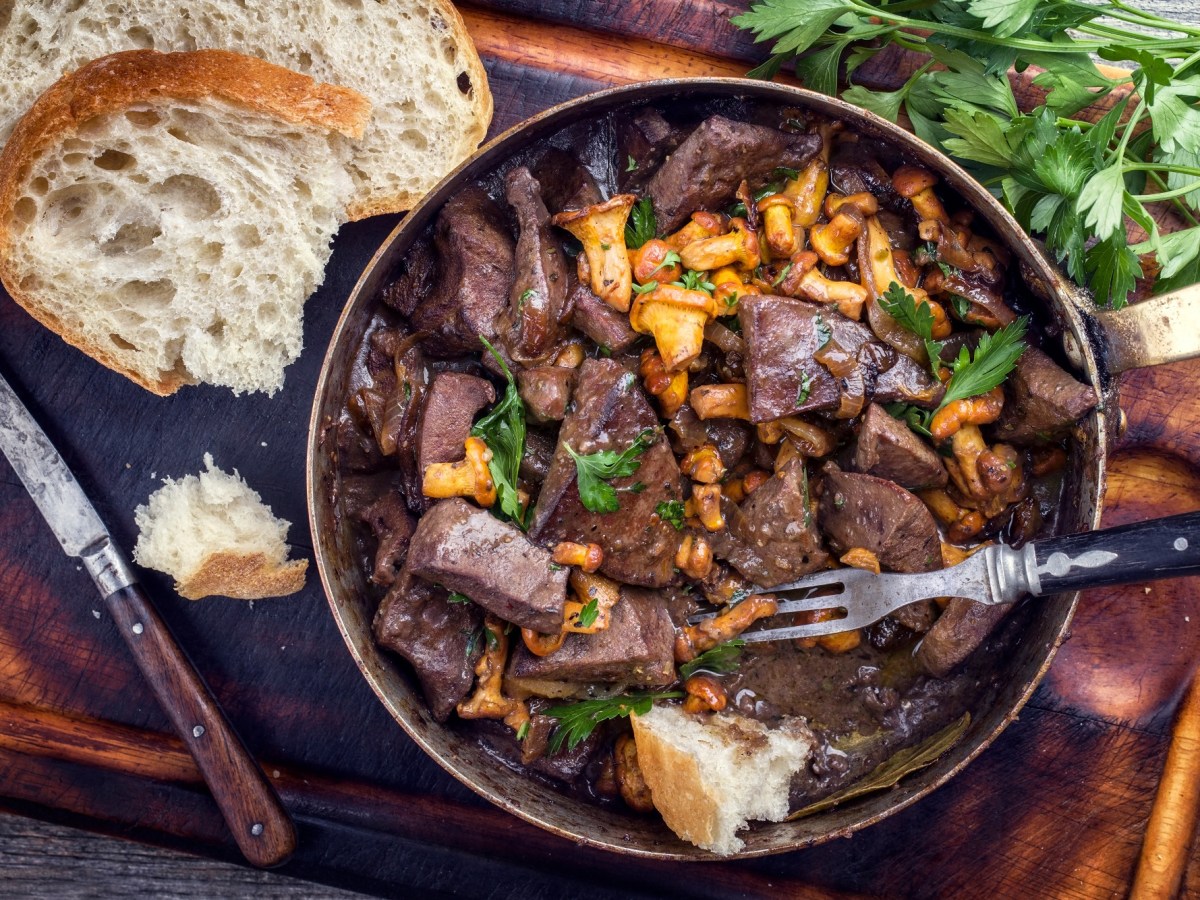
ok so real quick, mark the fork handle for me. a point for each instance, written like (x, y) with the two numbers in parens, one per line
(1143, 551)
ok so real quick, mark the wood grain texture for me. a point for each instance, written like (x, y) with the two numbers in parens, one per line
(1055, 808)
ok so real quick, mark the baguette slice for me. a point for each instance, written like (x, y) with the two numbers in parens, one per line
(213, 534)
(710, 774)
(413, 59)
(168, 214)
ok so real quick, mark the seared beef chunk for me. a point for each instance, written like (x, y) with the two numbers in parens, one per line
(646, 138)
(415, 281)
(417, 620)
(466, 549)
(959, 630)
(530, 326)
(475, 272)
(783, 378)
(610, 411)
(356, 449)
(539, 453)
(566, 765)
(599, 321)
(855, 167)
(546, 391)
(730, 436)
(565, 183)
(1042, 401)
(451, 405)
(772, 538)
(887, 448)
(706, 169)
(636, 647)
(880, 516)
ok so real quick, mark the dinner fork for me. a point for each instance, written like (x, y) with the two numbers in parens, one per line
(1143, 551)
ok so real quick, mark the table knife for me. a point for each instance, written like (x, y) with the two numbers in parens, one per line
(260, 824)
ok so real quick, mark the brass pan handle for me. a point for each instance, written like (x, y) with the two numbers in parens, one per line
(1160, 330)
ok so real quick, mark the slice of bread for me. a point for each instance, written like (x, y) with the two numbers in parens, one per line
(413, 59)
(169, 214)
(709, 774)
(213, 534)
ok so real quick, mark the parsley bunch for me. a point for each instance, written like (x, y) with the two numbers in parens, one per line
(1074, 182)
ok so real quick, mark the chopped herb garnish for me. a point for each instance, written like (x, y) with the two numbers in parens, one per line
(916, 317)
(805, 388)
(578, 720)
(916, 418)
(456, 597)
(605, 350)
(642, 225)
(962, 306)
(636, 488)
(474, 636)
(631, 165)
(695, 281)
(593, 471)
(555, 567)
(730, 299)
(986, 369)
(783, 273)
(669, 260)
(605, 246)
(739, 595)
(718, 660)
(589, 613)
(525, 297)
(671, 511)
(644, 288)
(493, 639)
(824, 332)
(503, 430)
(523, 731)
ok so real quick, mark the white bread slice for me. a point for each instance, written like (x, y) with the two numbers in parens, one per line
(169, 214)
(413, 59)
(213, 534)
(709, 774)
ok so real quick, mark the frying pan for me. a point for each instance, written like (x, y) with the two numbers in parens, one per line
(1099, 345)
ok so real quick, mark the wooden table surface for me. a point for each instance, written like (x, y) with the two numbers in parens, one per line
(1055, 808)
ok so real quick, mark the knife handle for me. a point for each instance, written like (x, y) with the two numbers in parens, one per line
(1142, 551)
(261, 826)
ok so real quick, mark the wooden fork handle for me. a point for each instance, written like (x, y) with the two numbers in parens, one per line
(261, 826)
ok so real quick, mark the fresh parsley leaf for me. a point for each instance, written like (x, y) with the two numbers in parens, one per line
(474, 637)
(525, 297)
(718, 660)
(694, 281)
(671, 511)
(993, 359)
(456, 597)
(916, 317)
(962, 306)
(503, 430)
(1003, 17)
(916, 418)
(669, 260)
(783, 273)
(645, 288)
(1113, 268)
(523, 731)
(642, 224)
(1100, 202)
(589, 613)
(805, 388)
(594, 470)
(578, 720)
(631, 165)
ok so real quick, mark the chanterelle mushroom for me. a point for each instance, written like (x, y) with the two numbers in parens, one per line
(676, 317)
(601, 229)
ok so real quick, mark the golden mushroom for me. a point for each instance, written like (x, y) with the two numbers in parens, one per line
(676, 316)
(601, 229)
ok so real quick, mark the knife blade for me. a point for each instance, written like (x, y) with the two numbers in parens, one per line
(258, 820)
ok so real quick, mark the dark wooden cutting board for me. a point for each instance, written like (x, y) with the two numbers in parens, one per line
(1055, 808)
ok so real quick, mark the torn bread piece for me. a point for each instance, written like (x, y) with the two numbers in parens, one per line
(169, 214)
(213, 534)
(711, 773)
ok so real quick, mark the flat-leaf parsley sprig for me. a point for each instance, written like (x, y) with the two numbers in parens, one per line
(1074, 182)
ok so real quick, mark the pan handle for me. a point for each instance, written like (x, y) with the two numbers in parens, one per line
(1160, 330)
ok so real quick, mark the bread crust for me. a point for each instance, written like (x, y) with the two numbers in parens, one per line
(244, 576)
(403, 201)
(116, 82)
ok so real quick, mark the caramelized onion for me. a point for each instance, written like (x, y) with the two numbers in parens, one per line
(852, 386)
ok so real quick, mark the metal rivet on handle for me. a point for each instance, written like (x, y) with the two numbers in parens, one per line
(1181, 544)
(198, 731)
(137, 628)
(256, 829)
